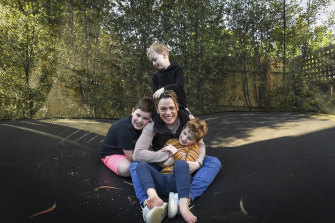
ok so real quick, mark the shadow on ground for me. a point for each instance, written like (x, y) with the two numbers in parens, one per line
(288, 179)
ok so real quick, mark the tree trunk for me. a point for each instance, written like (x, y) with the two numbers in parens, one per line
(86, 58)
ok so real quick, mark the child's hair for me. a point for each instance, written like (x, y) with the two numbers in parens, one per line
(157, 47)
(168, 94)
(146, 105)
(198, 128)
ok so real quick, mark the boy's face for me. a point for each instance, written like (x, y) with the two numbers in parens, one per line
(186, 138)
(140, 118)
(160, 61)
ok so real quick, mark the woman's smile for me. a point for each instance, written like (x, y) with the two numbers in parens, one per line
(167, 110)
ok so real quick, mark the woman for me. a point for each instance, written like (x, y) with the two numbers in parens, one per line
(166, 125)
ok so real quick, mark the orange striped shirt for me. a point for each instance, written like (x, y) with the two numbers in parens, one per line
(191, 152)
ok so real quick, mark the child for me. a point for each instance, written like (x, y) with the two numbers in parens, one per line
(176, 177)
(116, 151)
(169, 76)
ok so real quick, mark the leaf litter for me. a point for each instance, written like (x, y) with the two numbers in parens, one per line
(45, 211)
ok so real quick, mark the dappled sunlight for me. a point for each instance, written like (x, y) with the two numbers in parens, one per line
(97, 127)
(232, 130)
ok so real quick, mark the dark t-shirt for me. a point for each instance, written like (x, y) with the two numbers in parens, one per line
(121, 136)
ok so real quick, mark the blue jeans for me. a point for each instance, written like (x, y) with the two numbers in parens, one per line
(178, 181)
(199, 183)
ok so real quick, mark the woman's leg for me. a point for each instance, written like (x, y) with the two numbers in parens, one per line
(182, 176)
(204, 176)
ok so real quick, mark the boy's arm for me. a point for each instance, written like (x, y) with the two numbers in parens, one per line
(129, 154)
(124, 137)
(142, 152)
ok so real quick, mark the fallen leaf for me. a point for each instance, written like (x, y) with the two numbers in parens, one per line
(128, 183)
(106, 187)
(242, 207)
(45, 211)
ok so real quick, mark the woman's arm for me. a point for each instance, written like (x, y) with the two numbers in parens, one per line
(142, 152)
(202, 152)
(194, 166)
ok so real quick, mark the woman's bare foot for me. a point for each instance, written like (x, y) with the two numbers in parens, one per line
(185, 211)
(153, 199)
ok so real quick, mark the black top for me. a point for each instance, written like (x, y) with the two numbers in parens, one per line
(121, 136)
(163, 133)
(171, 78)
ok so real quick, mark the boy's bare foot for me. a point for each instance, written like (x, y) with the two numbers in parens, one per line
(154, 201)
(188, 216)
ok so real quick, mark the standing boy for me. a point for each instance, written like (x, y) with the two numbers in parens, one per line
(169, 76)
(116, 151)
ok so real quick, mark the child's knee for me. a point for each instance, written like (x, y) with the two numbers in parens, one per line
(180, 163)
(123, 172)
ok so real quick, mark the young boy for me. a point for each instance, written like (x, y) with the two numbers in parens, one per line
(116, 151)
(169, 76)
(173, 178)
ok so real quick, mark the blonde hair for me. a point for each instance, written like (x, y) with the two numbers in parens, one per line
(198, 128)
(157, 47)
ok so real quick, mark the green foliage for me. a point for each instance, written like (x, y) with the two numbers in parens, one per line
(88, 58)
(296, 95)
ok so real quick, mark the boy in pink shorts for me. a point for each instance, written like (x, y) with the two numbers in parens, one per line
(116, 151)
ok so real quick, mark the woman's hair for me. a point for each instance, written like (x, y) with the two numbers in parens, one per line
(198, 128)
(157, 47)
(168, 94)
(146, 105)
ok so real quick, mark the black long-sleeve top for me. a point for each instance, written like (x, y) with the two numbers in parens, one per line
(171, 78)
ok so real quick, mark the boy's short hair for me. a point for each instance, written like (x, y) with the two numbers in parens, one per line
(198, 128)
(157, 47)
(145, 104)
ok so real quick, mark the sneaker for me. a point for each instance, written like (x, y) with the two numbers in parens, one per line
(173, 205)
(156, 214)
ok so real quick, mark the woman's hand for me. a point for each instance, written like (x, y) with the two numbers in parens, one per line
(194, 166)
(170, 148)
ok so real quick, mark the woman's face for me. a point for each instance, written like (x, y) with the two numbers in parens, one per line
(168, 111)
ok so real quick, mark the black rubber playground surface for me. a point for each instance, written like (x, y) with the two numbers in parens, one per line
(279, 179)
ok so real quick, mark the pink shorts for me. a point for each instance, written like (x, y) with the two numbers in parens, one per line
(113, 161)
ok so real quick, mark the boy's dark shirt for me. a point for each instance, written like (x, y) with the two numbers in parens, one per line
(121, 136)
(171, 78)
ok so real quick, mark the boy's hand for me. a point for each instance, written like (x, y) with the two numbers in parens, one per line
(170, 148)
(158, 93)
(168, 162)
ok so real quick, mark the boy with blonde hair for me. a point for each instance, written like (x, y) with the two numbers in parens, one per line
(169, 76)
